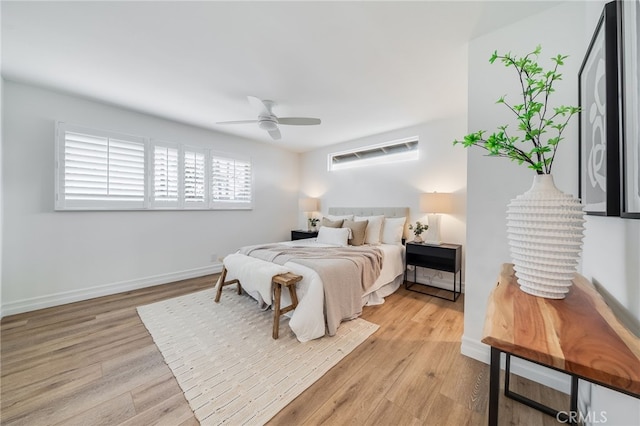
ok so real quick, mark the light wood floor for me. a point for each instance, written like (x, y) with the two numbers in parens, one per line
(94, 363)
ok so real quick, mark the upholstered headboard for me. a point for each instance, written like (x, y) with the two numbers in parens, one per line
(375, 211)
(371, 211)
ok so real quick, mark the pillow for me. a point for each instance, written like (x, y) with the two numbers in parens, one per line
(331, 223)
(343, 217)
(358, 230)
(333, 236)
(392, 230)
(374, 228)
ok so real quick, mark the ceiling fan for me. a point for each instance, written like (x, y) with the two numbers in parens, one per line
(268, 121)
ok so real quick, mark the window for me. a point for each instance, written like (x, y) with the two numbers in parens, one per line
(400, 150)
(194, 178)
(165, 175)
(100, 170)
(231, 182)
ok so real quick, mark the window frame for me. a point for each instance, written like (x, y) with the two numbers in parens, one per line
(385, 158)
(151, 171)
(61, 202)
(233, 204)
(188, 204)
(148, 202)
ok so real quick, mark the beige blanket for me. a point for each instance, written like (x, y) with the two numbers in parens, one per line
(346, 273)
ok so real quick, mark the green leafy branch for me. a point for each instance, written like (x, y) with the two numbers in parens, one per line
(534, 147)
(419, 228)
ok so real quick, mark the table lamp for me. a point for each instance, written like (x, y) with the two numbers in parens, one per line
(308, 206)
(435, 203)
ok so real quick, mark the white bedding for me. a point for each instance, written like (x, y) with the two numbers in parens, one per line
(307, 320)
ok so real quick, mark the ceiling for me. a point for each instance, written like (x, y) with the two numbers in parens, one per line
(362, 67)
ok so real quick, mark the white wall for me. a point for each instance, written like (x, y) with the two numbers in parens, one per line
(55, 257)
(1, 191)
(1, 171)
(611, 258)
(611, 249)
(441, 168)
(492, 182)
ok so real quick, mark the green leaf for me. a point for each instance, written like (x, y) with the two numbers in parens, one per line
(536, 86)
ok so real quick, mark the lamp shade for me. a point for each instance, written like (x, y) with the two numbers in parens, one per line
(436, 202)
(308, 204)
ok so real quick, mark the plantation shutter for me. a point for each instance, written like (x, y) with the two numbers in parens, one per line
(194, 177)
(231, 182)
(104, 170)
(101, 171)
(165, 175)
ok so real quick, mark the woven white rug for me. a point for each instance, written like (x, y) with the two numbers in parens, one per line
(230, 369)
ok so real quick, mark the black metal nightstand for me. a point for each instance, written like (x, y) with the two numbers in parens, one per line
(301, 234)
(445, 257)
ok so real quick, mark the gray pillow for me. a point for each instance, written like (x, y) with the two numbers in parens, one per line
(331, 223)
(358, 230)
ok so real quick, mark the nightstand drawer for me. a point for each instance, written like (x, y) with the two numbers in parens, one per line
(300, 234)
(445, 257)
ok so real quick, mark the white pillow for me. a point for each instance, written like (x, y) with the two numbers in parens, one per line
(343, 217)
(333, 236)
(392, 230)
(374, 228)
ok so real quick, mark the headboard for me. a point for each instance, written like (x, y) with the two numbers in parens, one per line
(371, 211)
(375, 211)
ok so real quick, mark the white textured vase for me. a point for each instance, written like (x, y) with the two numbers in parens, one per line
(545, 228)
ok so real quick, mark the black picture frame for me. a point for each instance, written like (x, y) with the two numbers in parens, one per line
(599, 129)
(629, 25)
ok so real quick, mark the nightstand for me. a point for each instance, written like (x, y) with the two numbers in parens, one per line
(445, 257)
(301, 234)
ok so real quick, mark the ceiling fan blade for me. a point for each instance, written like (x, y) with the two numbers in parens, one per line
(275, 134)
(237, 122)
(259, 105)
(299, 121)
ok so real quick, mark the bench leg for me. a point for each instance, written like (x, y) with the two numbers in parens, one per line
(294, 296)
(277, 290)
(221, 283)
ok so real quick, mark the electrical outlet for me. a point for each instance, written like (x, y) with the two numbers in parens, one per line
(214, 257)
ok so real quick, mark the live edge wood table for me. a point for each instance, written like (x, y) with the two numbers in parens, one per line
(578, 335)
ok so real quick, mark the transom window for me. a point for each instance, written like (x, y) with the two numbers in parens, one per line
(388, 152)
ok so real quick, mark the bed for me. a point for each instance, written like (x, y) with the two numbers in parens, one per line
(312, 318)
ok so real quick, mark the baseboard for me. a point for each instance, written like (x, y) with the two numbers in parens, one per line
(55, 299)
(545, 376)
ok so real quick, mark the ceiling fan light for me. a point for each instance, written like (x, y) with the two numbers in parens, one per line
(268, 125)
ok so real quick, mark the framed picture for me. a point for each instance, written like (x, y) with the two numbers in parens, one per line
(630, 84)
(599, 119)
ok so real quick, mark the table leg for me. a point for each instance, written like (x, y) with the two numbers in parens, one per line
(494, 386)
(574, 397)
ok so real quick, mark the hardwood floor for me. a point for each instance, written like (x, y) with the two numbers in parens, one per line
(94, 363)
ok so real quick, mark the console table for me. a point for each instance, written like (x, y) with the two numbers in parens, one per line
(578, 335)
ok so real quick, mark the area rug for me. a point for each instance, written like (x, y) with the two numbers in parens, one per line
(230, 369)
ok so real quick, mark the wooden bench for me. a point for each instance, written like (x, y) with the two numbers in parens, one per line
(288, 280)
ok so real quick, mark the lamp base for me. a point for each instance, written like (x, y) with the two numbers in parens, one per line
(433, 232)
